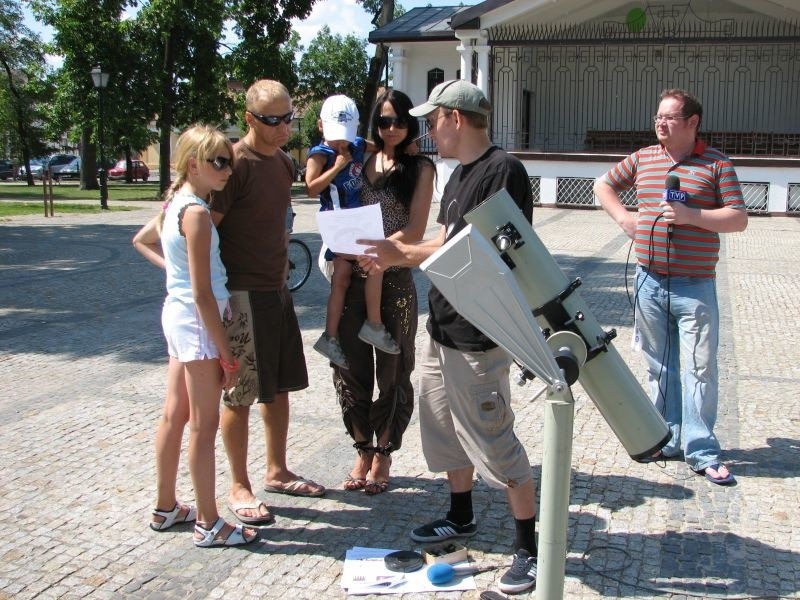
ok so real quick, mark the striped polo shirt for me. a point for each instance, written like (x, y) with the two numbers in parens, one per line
(709, 180)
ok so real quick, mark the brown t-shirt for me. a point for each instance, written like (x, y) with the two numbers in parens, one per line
(252, 232)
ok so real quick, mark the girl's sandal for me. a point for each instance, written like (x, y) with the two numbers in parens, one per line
(374, 488)
(235, 538)
(173, 517)
(353, 484)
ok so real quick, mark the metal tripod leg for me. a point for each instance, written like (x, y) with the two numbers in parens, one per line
(555, 485)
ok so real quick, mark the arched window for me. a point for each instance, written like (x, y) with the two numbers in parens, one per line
(435, 77)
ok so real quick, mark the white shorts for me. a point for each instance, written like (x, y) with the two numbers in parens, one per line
(187, 338)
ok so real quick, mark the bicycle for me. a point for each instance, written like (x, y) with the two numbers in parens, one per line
(299, 256)
(299, 264)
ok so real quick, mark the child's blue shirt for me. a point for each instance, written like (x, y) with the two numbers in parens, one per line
(345, 189)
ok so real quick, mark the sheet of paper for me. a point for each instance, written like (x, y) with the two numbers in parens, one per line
(365, 573)
(341, 228)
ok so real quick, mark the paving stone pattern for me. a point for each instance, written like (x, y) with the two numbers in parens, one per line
(82, 374)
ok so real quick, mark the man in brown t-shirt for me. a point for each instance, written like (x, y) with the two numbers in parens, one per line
(250, 215)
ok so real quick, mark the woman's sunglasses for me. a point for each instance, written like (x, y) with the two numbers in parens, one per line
(398, 122)
(220, 163)
(273, 121)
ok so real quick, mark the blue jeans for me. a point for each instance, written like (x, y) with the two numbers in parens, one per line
(678, 319)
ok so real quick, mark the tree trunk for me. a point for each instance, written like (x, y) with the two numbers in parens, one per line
(88, 161)
(128, 165)
(21, 122)
(166, 115)
(376, 67)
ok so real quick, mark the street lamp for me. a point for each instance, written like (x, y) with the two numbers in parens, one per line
(100, 80)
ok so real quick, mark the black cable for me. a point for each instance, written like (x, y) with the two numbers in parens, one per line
(650, 260)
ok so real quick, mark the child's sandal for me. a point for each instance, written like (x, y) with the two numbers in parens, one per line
(172, 517)
(235, 538)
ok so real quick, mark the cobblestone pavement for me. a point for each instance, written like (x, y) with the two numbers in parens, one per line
(82, 373)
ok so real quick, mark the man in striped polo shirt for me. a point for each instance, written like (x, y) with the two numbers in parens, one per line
(687, 194)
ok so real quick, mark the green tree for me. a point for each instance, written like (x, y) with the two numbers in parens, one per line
(166, 64)
(23, 87)
(266, 48)
(334, 65)
(179, 42)
(308, 133)
(191, 74)
(88, 33)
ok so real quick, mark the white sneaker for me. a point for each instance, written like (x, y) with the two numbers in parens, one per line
(329, 348)
(379, 338)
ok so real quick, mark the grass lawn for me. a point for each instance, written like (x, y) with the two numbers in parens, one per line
(71, 191)
(13, 209)
(116, 191)
(19, 199)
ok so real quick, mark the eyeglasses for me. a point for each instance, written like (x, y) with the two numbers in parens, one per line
(220, 163)
(273, 121)
(668, 118)
(386, 122)
(433, 123)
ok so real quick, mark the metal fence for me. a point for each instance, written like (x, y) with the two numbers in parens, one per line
(556, 97)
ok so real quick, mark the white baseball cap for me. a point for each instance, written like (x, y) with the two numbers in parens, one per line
(339, 116)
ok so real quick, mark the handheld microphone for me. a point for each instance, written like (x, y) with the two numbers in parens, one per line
(443, 573)
(672, 190)
(673, 193)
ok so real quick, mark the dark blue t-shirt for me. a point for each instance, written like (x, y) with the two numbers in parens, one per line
(345, 189)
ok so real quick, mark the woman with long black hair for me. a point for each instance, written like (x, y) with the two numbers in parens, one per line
(403, 185)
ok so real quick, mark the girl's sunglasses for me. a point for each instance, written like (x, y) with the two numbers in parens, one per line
(220, 163)
(273, 121)
(398, 122)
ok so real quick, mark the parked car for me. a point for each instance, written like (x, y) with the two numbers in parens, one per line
(36, 169)
(71, 170)
(6, 170)
(139, 170)
(57, 162)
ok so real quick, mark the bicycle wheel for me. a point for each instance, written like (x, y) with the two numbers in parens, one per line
(299, 264)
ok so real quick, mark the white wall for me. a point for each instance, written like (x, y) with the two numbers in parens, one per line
(549, 171)
(424, 56)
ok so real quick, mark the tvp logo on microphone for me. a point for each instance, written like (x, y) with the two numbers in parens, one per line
(672, 190)
(675, 196)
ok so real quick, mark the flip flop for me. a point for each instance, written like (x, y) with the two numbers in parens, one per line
(256, 505)
(727, 480)
(299, 487)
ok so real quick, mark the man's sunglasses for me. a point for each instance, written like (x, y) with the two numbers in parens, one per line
(273, 121)
(220, 163)
(398, 122)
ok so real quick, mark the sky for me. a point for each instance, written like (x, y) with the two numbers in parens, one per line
(343, 17)
(348, 16)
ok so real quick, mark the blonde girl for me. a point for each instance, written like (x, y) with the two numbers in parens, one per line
(183, 240)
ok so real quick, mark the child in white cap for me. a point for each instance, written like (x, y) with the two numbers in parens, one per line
(333, 172)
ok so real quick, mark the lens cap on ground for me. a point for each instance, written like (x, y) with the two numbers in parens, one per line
(403, 561)
(490, 595)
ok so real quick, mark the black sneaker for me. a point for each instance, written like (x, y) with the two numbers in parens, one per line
(522, 574)
(441, 530)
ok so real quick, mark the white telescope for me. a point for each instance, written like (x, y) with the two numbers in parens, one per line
(498, 275)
